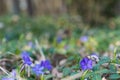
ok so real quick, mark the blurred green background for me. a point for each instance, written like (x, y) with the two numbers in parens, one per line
(46, 20)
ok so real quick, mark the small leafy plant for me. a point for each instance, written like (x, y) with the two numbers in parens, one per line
(104, 69)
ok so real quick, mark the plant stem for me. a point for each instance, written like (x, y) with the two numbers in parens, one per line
(115, 51)
(83, 75)
(42, 77)
(40, 50)
(4, 71)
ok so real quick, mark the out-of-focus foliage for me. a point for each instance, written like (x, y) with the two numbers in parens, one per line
(68, 28)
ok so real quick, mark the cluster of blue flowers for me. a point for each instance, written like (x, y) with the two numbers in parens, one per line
(38, 69)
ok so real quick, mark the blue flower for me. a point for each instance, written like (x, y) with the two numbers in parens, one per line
(30, 44)
(38, 69)
(13, 74)
(59, 39)
(26, 58)
(46, 64)
(86, 63)
(8, 79)
(84, 38)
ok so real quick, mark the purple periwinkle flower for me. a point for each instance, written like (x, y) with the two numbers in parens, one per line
(13, 73)
(86, 63)
(8, 78)
(38, 69)
(84, 38)
(46, 64)
(30, 44)
(26, 58)
(13, 76)
(59, 39)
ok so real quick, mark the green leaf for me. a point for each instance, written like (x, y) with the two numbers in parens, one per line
(102, 71)
(75, 67)
(96, 67)
(114, 76)
(96, 74)
(47, 77)
(89, 74)
(96, 77)
(104, 60)
(73, 73)
(71, 58)
(112, 68)
(66, 71)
